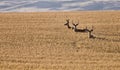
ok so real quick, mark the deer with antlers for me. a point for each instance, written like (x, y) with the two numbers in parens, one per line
(83, 30)
(79, 30)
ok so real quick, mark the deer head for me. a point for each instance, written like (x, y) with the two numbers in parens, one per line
(67, 22)
(90, 33)
(75, 25)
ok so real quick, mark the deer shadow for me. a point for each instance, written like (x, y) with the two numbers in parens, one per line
(97, 38)
(106, 39)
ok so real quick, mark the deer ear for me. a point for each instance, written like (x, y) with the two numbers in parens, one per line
(73, 24)
(76, 24)
(92, 28)
(78, 21)
(65, 24)
(66, 19)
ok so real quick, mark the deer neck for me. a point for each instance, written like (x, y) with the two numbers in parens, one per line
(68, 26)
(75, 28)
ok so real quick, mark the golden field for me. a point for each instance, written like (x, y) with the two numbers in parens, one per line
(40, 41)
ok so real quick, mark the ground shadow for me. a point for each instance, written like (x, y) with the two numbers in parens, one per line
(106, 39)
(99, 38)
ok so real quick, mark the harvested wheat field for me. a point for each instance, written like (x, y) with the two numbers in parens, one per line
(40, 41)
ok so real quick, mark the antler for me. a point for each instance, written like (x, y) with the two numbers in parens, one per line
(92, 28)
(73, 23)
(78, 21)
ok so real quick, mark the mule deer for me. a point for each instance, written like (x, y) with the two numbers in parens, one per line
(83, 30)
(79, 30)
(67, 24)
